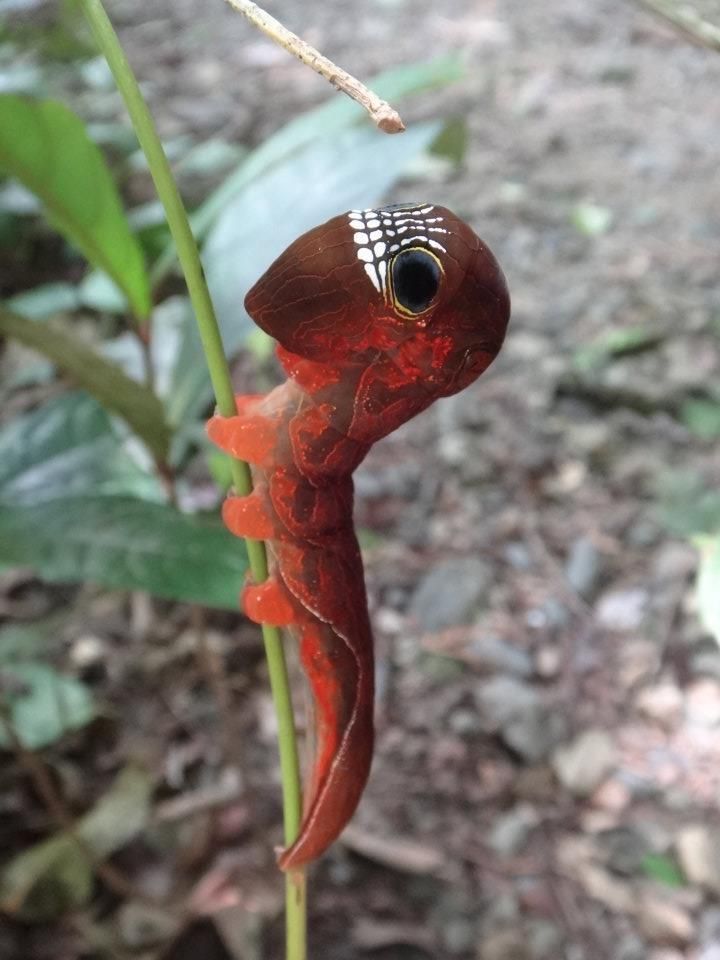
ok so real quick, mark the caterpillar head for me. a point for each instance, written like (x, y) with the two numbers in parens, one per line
(411, 281)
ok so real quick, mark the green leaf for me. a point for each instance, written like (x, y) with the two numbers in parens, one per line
(20, 642)
(452, 142)
(55, 876)
(708, 584)
(620, 342)
(591, 219)
(662, 869)
(68, 447)
(43, 705)
(47, 148)
(135, 403)
(686, 506)
(46, 300)
(127, 544)
(702, 417)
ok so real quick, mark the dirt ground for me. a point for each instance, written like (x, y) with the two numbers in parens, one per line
(549, 708)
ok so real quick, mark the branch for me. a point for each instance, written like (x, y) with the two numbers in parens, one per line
(386, 118)
(688, 19)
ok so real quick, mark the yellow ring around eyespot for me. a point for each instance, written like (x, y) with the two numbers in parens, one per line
(398, 307)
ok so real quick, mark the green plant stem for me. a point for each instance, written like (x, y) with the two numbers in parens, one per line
(189, 258)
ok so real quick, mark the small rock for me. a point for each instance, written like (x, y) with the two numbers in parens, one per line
(706, 663)
(662, 703)
(585, 762)
(662, 920)
(88, 651)
(544, 940)
(612, 796)
(639, 659)
(458, 935)
(630, 947)
(702, 703)
(548, 661)
(492, 653)
(511, 830)
(502, 699)
(622, 609)
(698, 850)
(518, 555)
(535, 734)
(583, 566)
(624, 848)
(674, 560)
(449, 593)
(709, 926)
(504, 945)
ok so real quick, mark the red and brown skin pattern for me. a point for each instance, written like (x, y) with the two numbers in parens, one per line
(377, 314)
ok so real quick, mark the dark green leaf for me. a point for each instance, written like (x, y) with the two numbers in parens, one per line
(46, 300)
(136, 404)
(126, 544)
(55, 876)
(703, 418)
(662, 869)
(47, 148)
(452, 141)
(67, 448)
(42, 704)
(686, 506)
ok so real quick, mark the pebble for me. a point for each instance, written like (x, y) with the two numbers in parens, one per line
(662, 920)
(583, 764)
(504, 945)
(449, 593)
(662, 703)
(702, 703)
(698, 850)
(492, 653)
(510, 831)
(582, 569)
(621, 610)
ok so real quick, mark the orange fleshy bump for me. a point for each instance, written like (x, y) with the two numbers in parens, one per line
(268, 602)
(247, 517)
(245, 403)
(250, 438)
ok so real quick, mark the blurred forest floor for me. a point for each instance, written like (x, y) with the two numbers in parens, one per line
(547, 772)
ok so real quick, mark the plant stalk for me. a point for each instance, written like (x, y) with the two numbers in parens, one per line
(189, 259)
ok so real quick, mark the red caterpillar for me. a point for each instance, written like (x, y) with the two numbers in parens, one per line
(377, 314)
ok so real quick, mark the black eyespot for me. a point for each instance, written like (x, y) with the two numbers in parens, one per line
(415, 280)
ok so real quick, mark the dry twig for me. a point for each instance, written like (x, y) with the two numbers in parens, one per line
(689, 19)
(380, 112)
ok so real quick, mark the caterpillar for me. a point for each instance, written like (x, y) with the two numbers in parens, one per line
(377, 313)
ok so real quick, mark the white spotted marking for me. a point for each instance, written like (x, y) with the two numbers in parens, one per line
(373, 230)
(372, 273)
